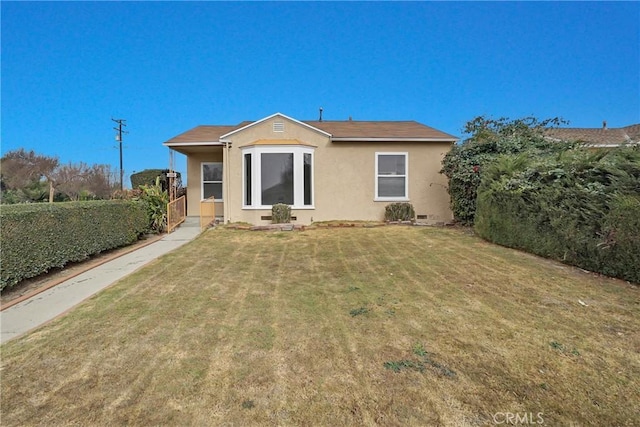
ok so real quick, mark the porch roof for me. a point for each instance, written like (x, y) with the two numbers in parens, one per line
(203, 133)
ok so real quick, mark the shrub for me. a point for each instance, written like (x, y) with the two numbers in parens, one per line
(280, 213)
(399, 212)
(155, 199)
(464, 164)
(39, 237)
(579, 207)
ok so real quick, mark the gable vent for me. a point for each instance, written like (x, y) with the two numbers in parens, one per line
(278, 127)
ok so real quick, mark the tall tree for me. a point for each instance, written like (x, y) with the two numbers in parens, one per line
(21, 169)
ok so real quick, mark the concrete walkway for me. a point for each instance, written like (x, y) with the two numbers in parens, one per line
(47, 305)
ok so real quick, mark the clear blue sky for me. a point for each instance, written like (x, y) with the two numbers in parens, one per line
(68, 68)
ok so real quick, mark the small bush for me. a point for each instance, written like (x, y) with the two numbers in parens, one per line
(399, 212)
(280, 213)
(39, 237)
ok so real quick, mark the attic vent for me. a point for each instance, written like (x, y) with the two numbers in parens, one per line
(278, 127)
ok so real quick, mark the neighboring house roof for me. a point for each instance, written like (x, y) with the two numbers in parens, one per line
(348, 130)
(598, 137)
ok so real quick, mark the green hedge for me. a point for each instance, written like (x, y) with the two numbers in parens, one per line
(149, 176)
(39, 237)
(580, 208)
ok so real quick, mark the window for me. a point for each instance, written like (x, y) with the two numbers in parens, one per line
(277, 178)
(212, 180)
(247, 179)
(391, 177)
(307, 179)
(275, 174)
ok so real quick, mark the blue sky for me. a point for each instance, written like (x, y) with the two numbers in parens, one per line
(165, 67)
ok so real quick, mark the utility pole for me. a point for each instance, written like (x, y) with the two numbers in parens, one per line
(120, 122)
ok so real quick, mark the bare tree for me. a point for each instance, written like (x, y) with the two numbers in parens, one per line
(70, 179)
(76, 180)
(100, 181)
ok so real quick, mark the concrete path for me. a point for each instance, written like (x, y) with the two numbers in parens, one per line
(47, 305)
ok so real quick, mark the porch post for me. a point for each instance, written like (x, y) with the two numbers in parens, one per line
(225, 194)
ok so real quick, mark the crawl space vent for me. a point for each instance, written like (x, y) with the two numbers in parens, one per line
(269, 218)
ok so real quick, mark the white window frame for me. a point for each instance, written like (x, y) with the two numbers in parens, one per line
(203, 182)
(405, 176)
(298, 174)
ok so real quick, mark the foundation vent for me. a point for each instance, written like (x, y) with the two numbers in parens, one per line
(422, 216)
(278, 126)
(269, 218)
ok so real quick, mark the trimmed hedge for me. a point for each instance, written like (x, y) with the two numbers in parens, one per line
(39, 237)
(580, 208)
(149, 177)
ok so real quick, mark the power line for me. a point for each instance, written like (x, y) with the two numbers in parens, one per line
(121, 123)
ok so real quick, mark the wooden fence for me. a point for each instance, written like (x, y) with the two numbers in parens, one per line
(207, 212)
(176, 213)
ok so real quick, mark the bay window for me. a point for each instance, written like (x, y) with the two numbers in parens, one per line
(276, 174)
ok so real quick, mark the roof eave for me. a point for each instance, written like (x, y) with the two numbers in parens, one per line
(396, 139)
(192, 144)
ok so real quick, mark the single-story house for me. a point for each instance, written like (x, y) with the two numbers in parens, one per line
(603, 137)
(325, 170)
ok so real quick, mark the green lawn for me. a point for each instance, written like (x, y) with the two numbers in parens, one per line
(363, 326)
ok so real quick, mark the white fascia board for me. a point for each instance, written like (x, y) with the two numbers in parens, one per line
(226, 135)
(192, 144)
(347, 139)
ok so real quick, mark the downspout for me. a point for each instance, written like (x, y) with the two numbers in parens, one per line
(225, 166)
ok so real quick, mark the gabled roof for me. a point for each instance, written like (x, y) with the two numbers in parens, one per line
(348, 130)
(249, 124)
(598, 137)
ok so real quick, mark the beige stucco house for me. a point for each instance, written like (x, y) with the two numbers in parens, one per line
(325, 170)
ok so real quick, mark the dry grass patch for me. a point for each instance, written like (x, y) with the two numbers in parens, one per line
(379, 326)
